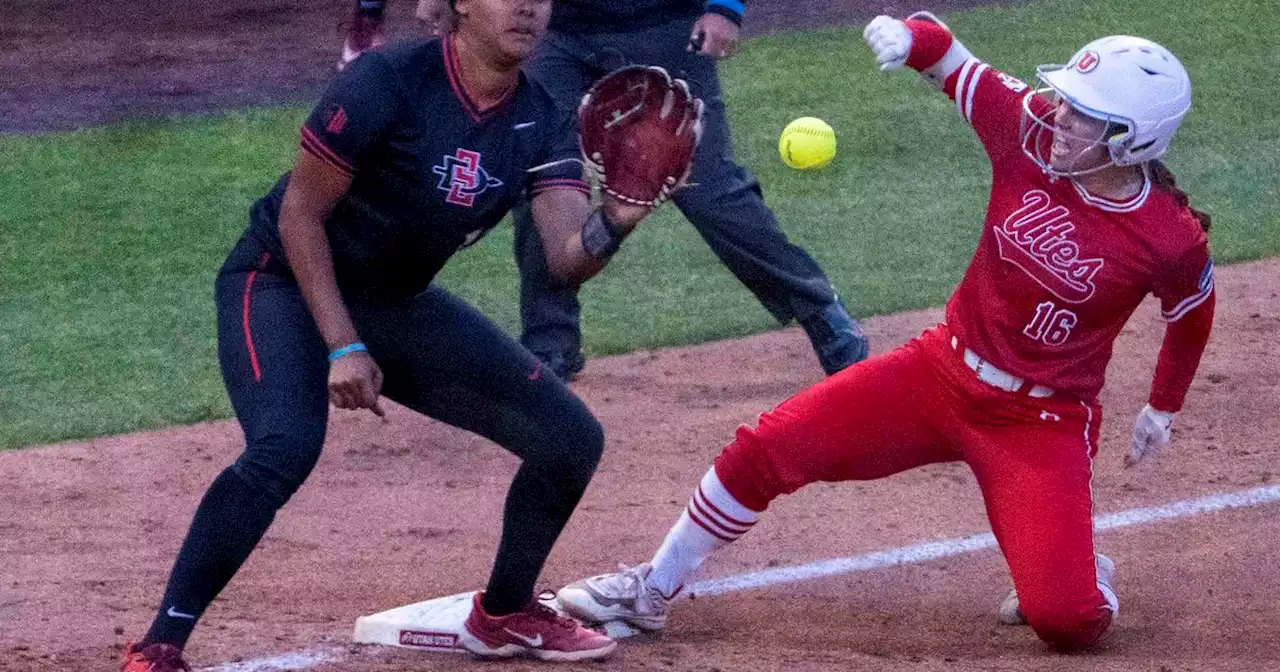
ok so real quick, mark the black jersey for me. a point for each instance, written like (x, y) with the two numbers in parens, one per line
(431, 172)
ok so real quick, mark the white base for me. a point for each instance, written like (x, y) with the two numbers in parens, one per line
(434, 625)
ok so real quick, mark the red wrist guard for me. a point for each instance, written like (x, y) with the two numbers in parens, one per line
(929, 43)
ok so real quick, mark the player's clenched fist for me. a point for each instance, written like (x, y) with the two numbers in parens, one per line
(355, 382)
(1152, 430)
(890, 41)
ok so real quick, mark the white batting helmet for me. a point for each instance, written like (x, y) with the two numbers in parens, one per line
(1123, 80)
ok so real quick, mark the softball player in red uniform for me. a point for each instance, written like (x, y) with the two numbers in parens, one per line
(1083, 222)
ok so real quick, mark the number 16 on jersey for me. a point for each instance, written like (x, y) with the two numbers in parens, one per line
(1051, 324)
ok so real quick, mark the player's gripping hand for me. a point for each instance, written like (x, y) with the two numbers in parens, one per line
(355, 382)
(713, 35)
(890, 41)
(1153, 430)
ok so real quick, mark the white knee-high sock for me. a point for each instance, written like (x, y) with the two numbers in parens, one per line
(710, 522)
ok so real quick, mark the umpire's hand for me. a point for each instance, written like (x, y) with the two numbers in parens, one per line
(355, 382)
(714, 35)
(435, 16)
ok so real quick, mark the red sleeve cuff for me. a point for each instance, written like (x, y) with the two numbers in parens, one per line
(929, 43)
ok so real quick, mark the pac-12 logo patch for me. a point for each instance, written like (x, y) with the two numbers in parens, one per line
(1088, 61)
(462, 177)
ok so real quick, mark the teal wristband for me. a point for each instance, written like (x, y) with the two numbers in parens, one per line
(346, 350)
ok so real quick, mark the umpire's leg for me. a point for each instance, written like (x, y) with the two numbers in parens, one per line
(726, 206)
(549, 314)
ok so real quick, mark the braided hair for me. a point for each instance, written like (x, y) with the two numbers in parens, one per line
(1163, 178)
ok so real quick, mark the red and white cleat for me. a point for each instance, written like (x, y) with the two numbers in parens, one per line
(153, 658)
(538, 631)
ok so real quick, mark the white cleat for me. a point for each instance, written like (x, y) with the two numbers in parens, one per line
(1011, 610)
(621, 596)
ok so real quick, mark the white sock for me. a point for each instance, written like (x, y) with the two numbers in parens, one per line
(712, 519)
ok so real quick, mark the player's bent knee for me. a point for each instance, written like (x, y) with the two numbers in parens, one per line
(589, 444)
(1068, 632)
(278, 469)
(571, 451)
(743, 468)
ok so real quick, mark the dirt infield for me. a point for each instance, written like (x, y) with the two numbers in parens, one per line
(410, 510)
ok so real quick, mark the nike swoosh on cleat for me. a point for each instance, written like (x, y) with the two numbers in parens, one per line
(533, 642)
(606, 601)
(174, 613)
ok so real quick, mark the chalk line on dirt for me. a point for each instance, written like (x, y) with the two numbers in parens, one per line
(904, 555)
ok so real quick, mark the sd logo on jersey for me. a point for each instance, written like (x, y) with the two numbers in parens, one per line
(463, 178)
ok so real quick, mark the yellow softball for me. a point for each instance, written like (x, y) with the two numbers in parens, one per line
(807, 143)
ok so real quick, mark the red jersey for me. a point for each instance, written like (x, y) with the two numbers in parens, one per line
(1058, 271)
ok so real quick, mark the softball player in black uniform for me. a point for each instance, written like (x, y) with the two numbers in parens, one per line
(412, 154)
(587, 38)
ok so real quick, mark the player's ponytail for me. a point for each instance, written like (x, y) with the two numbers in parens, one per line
(1164, 179)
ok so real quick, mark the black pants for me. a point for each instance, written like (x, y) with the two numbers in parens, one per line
(726, 205)
(439, 357)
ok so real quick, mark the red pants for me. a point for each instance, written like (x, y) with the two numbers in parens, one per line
(919, 405)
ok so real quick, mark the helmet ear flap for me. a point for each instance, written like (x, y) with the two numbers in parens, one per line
(1117, 133)
(1118, 137)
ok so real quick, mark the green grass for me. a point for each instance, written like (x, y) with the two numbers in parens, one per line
(110, 238)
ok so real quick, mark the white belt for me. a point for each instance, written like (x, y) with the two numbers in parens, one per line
(992, 375)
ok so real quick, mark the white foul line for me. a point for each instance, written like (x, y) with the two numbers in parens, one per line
(905, 555)
(917, 553)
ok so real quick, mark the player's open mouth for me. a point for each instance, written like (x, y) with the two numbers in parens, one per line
(1059, 149)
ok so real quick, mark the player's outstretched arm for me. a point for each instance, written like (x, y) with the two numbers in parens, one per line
(991, 101)
(922, 42)
(639, 129)
(579, 239)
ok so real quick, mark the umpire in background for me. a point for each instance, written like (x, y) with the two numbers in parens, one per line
(588, 38)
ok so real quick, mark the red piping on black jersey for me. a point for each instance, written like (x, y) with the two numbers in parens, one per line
(455, 82)
(316, 147)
